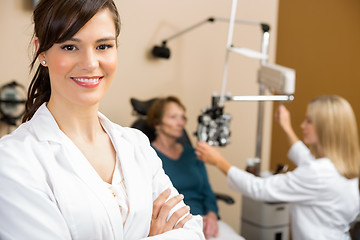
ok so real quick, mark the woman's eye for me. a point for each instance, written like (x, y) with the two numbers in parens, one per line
(104, 46)
(68, 47)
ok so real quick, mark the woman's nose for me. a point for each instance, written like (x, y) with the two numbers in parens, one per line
(302, 125)
(89, 60)
(180, 122)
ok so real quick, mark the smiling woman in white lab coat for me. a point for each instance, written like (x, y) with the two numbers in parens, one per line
(68, 172)
(323, 189)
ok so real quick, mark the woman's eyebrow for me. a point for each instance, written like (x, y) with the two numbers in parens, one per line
(106, 39)
(99, 40)
(74, 40)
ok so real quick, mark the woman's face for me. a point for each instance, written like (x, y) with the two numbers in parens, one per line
(82, 69)
(309, 132)
(173, 121)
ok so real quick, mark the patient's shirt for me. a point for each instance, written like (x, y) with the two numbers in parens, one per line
(189, 177)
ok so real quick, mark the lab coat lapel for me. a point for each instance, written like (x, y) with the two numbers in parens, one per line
(133, 178)
(125, 151)
(88, 174)
(47, 129)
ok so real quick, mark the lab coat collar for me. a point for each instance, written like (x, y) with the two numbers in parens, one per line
(46, 129)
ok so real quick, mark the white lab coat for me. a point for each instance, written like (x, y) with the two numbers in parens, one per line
(48, 189)
(323, 202)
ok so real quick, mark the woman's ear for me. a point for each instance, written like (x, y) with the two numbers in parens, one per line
(36, 43)
(157, 127)
(41, 56)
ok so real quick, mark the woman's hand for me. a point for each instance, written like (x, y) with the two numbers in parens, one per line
(161, 210)
(209, 154)
(282, 116)
(210, 225)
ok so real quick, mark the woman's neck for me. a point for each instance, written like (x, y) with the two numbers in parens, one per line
(165, 142)
(168, 146)
(77, 122)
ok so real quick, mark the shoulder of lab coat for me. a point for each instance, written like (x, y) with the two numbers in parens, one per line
(300, 154)
(28, 205)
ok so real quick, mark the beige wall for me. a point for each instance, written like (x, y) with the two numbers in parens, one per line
(193, 73)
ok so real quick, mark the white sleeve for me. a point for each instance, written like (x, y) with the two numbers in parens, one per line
(188, 232)
(300, 154)
(26, 200)
(192, 229)
(302, 184)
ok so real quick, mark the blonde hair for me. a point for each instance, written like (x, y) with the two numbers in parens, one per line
(337, 132)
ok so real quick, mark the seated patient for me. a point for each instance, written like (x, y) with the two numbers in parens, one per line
(188, 174)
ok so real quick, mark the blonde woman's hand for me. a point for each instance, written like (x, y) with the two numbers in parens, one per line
(209, 154)
(161, 210)
(282, 116)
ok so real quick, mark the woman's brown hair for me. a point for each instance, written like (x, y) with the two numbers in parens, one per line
(56, 21)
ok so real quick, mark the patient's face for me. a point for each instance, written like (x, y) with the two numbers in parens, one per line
(173, 121)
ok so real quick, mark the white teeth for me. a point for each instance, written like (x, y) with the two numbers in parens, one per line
(88, 80)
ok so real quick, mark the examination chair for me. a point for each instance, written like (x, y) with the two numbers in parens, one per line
(140, 109)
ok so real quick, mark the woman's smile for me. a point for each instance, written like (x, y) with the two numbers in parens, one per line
(88, 82)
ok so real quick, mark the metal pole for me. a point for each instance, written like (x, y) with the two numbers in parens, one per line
(228, 46)
(264, 50)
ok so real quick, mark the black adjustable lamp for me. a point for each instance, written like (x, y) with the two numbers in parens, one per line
(164, 52)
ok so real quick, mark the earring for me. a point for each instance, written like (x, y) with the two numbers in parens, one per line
(43, 62)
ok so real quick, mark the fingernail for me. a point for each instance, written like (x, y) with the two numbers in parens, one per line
(167, 190)
(181, 196)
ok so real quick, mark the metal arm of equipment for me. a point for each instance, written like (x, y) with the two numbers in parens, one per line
(164, 52)
(255, 98)
(264, 26)
(263, 98)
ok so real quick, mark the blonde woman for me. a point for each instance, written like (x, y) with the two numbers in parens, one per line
(323, 189)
